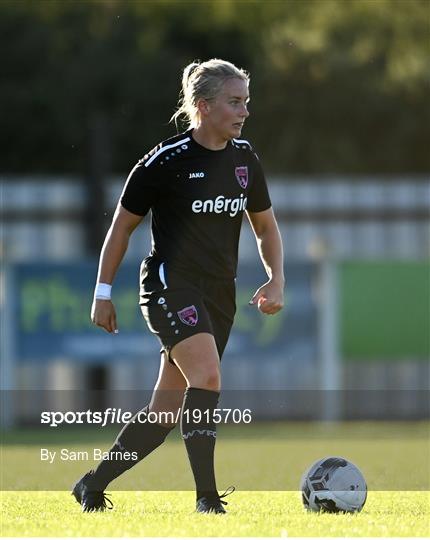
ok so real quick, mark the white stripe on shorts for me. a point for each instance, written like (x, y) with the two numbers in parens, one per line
(162, 275)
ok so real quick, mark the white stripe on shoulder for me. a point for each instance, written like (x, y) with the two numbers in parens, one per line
(182, 141)
(242, 141)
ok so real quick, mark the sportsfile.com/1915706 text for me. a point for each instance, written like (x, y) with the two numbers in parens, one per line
(112, 415)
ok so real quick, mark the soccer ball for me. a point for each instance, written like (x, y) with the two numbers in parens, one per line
(333, 484)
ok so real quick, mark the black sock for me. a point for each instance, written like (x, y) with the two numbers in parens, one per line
(134, 442)
(200, 437)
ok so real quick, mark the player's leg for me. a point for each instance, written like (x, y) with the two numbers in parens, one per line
(178, 316)
(168, 393)
(137, 439)
(140, 437)
(198, 361)
(197, 358)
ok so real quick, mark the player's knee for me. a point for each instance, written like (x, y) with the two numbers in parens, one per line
(209, 379)
(213, 380)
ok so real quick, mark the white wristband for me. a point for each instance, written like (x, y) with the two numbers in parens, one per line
(103, 291)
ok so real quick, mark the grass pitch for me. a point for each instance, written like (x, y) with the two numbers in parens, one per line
(249, 514)
(263, 461)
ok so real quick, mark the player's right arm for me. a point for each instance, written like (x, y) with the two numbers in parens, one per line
(140, 193)
(113, 250)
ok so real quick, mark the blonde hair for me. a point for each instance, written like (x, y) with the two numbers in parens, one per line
(203, 81)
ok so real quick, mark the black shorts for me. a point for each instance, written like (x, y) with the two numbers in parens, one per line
(176, 305)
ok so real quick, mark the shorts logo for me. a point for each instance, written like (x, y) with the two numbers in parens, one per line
(188, 315)
(242, 176)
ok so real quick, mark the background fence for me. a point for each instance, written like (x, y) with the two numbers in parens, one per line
(357, 314)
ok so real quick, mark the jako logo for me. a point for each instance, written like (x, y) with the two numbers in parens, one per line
(219, 205)
(197, 175)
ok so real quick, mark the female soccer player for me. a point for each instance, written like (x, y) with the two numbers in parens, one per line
(198, 185)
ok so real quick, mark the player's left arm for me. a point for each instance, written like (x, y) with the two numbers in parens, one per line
(270, 296)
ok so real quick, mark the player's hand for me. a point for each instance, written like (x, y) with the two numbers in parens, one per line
(269, 297)
(103, 315)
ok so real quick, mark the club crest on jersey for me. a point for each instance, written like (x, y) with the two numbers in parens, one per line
(188, 315)
(242, 176)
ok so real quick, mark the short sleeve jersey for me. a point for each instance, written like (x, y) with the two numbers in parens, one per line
(197, 197)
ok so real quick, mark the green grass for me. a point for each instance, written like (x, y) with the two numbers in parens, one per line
(263, 461)
(170, 514)
(257, 457)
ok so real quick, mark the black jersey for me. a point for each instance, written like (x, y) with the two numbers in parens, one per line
(197, 197)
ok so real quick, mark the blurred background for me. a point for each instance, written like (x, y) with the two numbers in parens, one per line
(340, 118)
